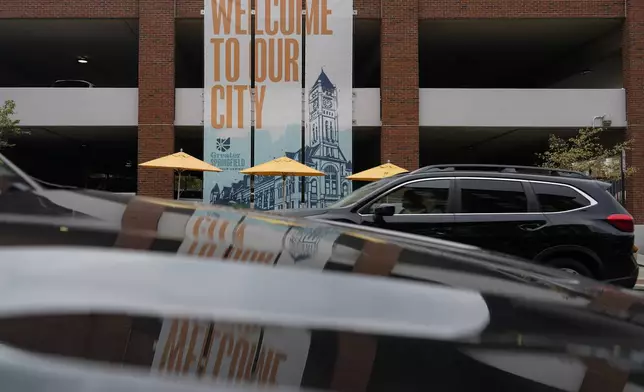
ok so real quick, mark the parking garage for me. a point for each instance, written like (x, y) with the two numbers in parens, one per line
(491, 91)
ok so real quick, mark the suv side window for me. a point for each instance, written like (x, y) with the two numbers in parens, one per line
(422, 197)
(492, 197)
(557, 198)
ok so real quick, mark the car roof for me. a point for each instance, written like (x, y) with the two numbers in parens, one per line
(580, 182)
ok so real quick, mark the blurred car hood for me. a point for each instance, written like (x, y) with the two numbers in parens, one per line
(75, 217)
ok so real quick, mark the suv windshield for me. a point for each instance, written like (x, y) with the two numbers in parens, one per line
(359, 193)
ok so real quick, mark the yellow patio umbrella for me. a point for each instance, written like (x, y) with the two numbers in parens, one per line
(378, 173)
(180, 161)
(283, 167)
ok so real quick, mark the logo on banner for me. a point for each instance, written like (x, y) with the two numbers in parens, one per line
(222, 145)
(224, 159)
(302, 243)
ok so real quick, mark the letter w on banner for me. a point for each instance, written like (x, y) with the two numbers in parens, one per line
(227, 100)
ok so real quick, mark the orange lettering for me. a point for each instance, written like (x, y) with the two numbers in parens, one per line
(265, 257)
(313, 17)
(289, 15)
(264, 365)
(217, 121)
(240, 90)
(240, 357)
(224, 224)
(317, 15)
(173, 350)
(211, 229)
(221, 15)
(229, 107)
(272, 26)
(259, 106)
(275, 70)
(190, 355)
(249, 364)
(225, 348)
(272, 377)
(239, 12)
(196, 226)
(216, 45)
(238, 235)
(260, 60)
(207, 250)
(326, 12)
(292, 55)
(232, 55)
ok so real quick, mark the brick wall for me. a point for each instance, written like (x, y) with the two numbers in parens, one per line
(399, 83)
(521, 9)
(69, 9)
(367, 9)
(633, 56)
(156, 94)
(399, 62)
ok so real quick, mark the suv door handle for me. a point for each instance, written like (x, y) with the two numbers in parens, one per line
(531, 226)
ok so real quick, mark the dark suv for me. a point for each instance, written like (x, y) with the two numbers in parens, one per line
(559, 218)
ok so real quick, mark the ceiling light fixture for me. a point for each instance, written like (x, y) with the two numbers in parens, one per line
(82, 60)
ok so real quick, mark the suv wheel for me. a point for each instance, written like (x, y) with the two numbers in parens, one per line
(571, 266)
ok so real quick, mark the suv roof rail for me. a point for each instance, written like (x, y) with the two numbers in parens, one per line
(542, 171)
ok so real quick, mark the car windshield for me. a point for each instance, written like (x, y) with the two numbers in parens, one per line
(359, 193)
(8, 176)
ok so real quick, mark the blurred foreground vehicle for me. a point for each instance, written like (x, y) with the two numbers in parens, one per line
(557, 218)
(75, 319)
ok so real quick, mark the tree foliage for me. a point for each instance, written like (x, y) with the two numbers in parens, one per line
(585, 153)
(8, 125)
(188, 183)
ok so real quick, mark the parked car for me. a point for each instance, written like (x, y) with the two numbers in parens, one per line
(557, 218)
(83, 319)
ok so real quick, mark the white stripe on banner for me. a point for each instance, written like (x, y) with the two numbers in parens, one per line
(329, 78)
(278, 99)
(227, 100)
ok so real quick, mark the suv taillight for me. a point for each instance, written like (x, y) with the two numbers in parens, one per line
(622, 222)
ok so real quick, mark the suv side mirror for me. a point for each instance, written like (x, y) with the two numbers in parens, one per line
(384, 210)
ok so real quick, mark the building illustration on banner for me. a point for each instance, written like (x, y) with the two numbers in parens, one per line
(323, 151)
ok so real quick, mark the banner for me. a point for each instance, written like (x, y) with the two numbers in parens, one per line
(227, 100)
(278, 97)
(329, 78)
(258, 354)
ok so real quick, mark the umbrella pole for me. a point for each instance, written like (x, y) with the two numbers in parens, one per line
(179, 185)
(284, 190)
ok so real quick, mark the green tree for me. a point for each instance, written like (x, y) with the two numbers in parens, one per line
(8, 126)
(188, 182)
(584, 152)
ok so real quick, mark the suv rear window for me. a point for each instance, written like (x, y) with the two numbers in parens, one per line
(557, 198)
(492, 197)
